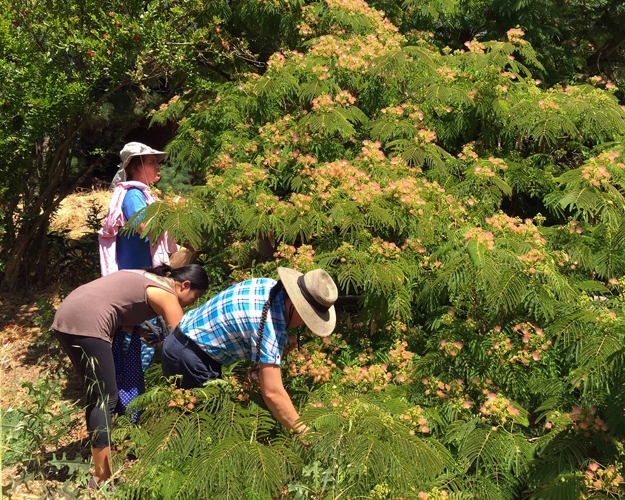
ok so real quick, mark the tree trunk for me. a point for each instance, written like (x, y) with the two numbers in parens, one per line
(601, 56)
(28, 250)
(16, 267)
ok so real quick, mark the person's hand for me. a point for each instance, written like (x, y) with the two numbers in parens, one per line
(154, 331)
(303, 433)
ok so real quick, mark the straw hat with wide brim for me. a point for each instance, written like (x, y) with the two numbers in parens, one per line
(313, 294)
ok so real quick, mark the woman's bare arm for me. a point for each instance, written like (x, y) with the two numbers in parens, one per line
(165, 304)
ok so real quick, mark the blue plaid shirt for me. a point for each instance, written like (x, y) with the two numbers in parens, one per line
(226, 326)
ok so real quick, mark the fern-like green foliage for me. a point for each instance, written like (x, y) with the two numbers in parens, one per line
(472, 219)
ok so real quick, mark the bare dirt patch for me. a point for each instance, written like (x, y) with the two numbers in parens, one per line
(29, 353)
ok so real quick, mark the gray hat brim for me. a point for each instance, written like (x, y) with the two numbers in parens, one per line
(132, 149)
(160, 156)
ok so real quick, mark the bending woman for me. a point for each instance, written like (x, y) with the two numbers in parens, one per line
(87, 319)
(249, 320)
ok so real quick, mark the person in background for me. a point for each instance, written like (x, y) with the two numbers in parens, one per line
(87, 319)
(140, 167)
(249, 321)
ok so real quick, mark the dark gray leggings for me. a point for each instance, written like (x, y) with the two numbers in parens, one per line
(93, 360)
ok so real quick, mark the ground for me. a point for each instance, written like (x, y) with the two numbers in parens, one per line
(29, 353)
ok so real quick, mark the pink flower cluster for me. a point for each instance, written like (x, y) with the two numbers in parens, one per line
(223, 162)
(276, 61)
(371, 152)
(516, 35)
(306, 164)
(429, 263)
(475, 46)
(533, 341)
(481, 236)
(309, 20)
(267, 202)
(548, 104)
(606, 480)
(535, 261)
(596, 175)
(344, 98)
(586, 419)
(385, 249)
(301, 202)
(182, 399)
(414, 245)
(375, 377)
(354, 54)
(506, 224)
(447, 73)
(309, 362)
(468, 153)
(412, 192)
(433, 494)
(301, 258)
(425, 136)
(274, 136)
(611, 157)
(405, 110)
(501, 345)
(379, 376)
(242, 176)
(353, 182)
(483, 171)
(487, 168)
(323, 104)
(415, 417)
(451, 348)
(452, 392)
(499, 408)
(400, 359)
(243, 384)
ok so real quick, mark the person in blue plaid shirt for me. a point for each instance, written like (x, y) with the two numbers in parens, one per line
(249, 321)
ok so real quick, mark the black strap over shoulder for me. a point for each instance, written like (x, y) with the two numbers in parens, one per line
(277, 288)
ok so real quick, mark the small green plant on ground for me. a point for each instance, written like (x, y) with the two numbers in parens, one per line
(40, 424)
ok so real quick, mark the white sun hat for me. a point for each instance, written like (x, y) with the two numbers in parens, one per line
(128, 152)
(313, 294)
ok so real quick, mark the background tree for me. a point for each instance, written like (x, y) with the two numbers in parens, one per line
(573, 40)
(77, 77)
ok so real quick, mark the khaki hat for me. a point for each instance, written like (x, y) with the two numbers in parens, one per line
(128, 151)
(138, 149)
(313, 294)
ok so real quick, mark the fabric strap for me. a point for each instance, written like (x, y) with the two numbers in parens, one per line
(309, 298)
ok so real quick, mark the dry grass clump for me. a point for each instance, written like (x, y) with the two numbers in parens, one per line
(73, 211)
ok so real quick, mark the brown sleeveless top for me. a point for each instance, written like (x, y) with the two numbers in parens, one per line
(98, 308)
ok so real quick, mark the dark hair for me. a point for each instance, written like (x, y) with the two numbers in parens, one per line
(132, 164)
(193, 273)
(275, 289)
